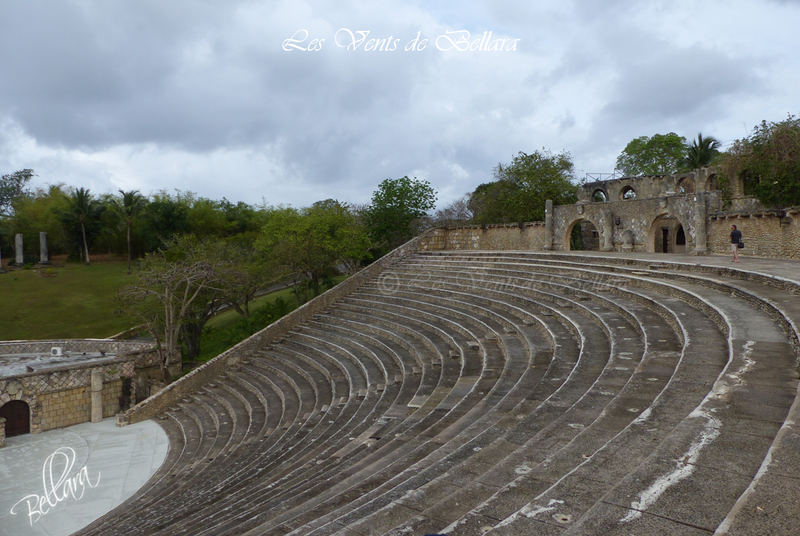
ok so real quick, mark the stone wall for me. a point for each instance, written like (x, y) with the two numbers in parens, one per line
(62, 396)
(229, 359)
(764, 234)
(527, 236)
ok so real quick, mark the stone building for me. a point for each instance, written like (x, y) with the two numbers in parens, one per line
(53, 384)
(682, 213)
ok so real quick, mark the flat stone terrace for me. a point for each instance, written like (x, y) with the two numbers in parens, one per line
(503, 393)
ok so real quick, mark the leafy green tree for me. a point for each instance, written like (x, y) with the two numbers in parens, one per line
(82, 209)
(308, 244)
(167, 216)
(129, 206)
(521, 188)
(41, 210)
(702, 152)
(768, 160)
(662, 154)
(12, 188)
(396, 205)
(243, 275)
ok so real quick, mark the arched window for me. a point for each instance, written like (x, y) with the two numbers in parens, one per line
(599, 196)
(686, 186)
(628, 193)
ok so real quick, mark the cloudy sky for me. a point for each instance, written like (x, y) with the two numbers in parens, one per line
(284, 101)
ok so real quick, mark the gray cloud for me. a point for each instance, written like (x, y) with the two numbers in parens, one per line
(187, 94)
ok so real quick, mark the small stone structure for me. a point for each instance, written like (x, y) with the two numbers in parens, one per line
(683, 213)
(68, 382)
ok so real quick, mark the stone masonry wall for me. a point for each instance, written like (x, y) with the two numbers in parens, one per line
(62, 397)
(529, 236)
(763, 233)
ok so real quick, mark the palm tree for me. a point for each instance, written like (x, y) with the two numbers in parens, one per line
(82, 208)
(129, 207)
(701, 152)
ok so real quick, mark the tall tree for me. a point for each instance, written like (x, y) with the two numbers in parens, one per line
(661, 154)
(309, 243)
(701, 152)
(522, 187)
(129, 207)
(396, 205)
(173, 284)
(83, 209)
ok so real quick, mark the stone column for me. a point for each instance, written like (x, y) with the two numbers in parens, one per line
(700, 215)
(97, 395)
(20, 256)
(608, 231)
(44, 255)
(2, 432)
(548, 225)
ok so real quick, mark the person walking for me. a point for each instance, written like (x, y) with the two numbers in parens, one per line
(736, 237)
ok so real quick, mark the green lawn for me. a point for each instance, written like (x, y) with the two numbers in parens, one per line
(77, 302)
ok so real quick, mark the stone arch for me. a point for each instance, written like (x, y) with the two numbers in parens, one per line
(17, 414)
(588, 232)
(627, 193)
(685, 186)
(599, 196)
(667, 234)
(712, 183)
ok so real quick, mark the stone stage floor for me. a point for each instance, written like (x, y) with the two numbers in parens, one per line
(88, 469)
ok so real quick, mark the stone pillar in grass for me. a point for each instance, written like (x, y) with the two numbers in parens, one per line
(20, 260)
(44, 254)
(97, 395)
(548, 225)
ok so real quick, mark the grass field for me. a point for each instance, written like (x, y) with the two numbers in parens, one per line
(77, 301)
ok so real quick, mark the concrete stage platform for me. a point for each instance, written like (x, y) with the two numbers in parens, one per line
(88, 469)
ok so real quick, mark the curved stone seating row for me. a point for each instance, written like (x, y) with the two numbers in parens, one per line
(492, 392)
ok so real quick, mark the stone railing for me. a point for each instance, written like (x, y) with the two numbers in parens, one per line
(216, 368)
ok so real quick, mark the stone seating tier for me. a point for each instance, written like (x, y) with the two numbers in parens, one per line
(498, 393)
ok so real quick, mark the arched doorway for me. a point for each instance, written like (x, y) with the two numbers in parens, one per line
(18, 417)
(666, 235)
(582, 236)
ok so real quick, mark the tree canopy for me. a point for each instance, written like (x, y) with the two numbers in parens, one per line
(702, 152)
(521, 188)
(769, 162)
(12, 187)
(661, 154)
(396, 206)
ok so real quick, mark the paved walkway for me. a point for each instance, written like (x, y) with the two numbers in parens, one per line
(88, 469)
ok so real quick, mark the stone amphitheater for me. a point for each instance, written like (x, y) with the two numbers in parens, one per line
(495, 392)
